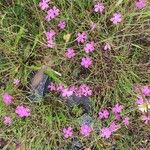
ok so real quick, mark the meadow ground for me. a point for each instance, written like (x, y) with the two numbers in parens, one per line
(119, 62)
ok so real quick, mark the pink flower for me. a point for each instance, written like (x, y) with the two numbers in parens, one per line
(89, 47)
(60, 87)
(140, 4)
(50, 43)
(93, 26)
(7, 99)
(85, 90)
(105, 132)
(62, 25)
(146, 90)
(126, 121)
(146, 119)
(142, 148)
(86, 62)
(16, 82)
(66, 92)
(81, 37)
(117, 109)
(52, 87)
(70, 53)
(107, 46)
(140, 100)
(117, 117)
(99, 7)
(68, 132)
(104, 114)
(50, 34)
(52, 13)
(113, 127)
(117, 18)
(85, 130)
(7, 120)
(43, 4)
(22, 111)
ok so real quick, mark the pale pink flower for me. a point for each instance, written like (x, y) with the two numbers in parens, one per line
(22, 111)
(43, 4)
(126, 121)
(89, 47)
(66, 92)
(85, 130)
(107, 46)
(16, 82)
(116, 18)
(104, 114)
(50, 43)
(93, 26)
(52, 13)
(86, 62)
(146, 90)
(7, 120)
(140, 4)
(142, 148)
(113, 127)
(146, 119)
(70, 53)
(81, 37)
(117, 109)
(85, 90)
(62, 24)
(7, 98)
(50, 34)
(68, 132)
(52, 87)
(105, 132)
(99, 7)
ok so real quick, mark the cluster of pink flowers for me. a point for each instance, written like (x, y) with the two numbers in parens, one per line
(50, 35)
(140, 4)
(99, 8)
(89, 47)
(82, 90)
(117, 109)
(70, 53)
(85, 131)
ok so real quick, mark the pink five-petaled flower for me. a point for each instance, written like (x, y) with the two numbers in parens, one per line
(105, 132)
(43, 4)
(146, 90)
(142, 148)
(86, 62)
(7, 98)
(81, 37)
(140, 100)
(85, 90)
(117, 109)
(52, 87)
(50, 34)
(66, 92)
(52, 13)
(116, 18)
(146, 119)
(99, 7)
(68, 132)
(140, 4)
(89, 47)
(104, 114)
(70, 53)
(7, 120)
(107, 46)
(85, 130)
(62, 24)
(113, 127)
(126, 121)
(16, 82)
(22, 111)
